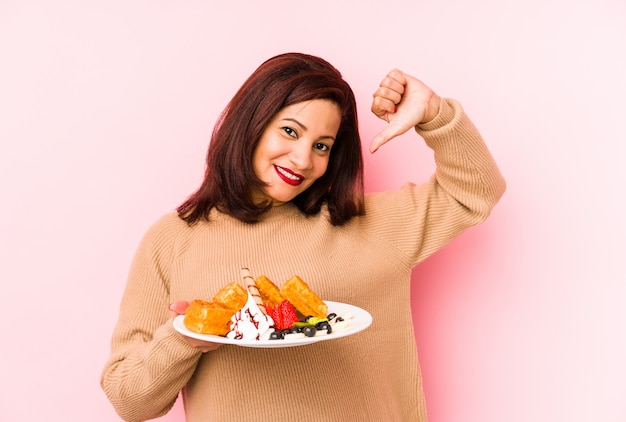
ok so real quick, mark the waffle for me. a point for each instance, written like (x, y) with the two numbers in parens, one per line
(208, 317)
(232, 295)
(296, 291)
(269, 292)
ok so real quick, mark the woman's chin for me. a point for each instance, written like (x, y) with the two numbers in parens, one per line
(277, 198)
(277, 202)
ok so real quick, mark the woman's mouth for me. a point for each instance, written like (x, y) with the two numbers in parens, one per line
(288, 176)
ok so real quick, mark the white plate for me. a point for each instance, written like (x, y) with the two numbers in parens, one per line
(360, 321)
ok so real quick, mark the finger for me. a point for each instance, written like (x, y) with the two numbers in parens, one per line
(179, 307)
(210, 348)
(201, 345)
(388, 94)
(395, 80)
(376, 143)
(382, 107)
(384, 136)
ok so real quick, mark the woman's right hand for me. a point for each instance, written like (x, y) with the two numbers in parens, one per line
(179, 308)
(403, 102)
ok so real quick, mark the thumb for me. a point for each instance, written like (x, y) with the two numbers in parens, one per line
(384, 136)
(179, 308)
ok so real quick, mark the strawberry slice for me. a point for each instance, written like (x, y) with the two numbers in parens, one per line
(284, 315)
(288, 314)
(274, 313)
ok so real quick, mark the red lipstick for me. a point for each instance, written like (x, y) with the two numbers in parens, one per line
(288, 176)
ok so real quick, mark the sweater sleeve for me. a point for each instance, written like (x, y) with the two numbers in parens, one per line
(149, 362)
(465, 167)
(418, 220)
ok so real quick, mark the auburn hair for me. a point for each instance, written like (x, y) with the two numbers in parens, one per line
(230, 179)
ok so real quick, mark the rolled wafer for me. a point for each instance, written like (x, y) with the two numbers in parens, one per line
(248, 281)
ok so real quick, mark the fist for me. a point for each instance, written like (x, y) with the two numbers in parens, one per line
(403, 102)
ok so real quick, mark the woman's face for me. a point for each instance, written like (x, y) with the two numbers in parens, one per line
(294, 149)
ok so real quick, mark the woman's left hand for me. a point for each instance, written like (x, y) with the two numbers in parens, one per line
(403, 102)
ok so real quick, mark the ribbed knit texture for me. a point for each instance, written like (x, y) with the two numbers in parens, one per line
(370, 376)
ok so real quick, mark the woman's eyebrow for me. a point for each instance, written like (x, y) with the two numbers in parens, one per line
(291, 119)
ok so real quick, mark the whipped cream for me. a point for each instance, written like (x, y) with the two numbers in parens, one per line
(250, 323)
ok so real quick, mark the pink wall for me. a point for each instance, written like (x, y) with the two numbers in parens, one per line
(105, 112)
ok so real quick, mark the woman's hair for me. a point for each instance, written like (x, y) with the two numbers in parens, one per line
(230, 178)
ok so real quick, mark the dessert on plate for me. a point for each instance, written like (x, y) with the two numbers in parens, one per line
(263, 311)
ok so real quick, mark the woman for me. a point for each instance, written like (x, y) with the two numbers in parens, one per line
(283, 195)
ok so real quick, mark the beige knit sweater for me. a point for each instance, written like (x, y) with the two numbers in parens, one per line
(370, 376)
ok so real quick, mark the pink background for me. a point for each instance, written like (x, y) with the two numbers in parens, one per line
(105, 112)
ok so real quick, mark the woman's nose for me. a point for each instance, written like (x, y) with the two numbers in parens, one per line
(301, 156)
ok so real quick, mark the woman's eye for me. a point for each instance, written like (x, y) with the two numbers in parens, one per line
(291, 132)
(321, 147)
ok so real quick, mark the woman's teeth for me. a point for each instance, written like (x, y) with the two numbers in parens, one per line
(287, 174)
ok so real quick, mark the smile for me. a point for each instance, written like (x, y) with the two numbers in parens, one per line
(288, 177)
